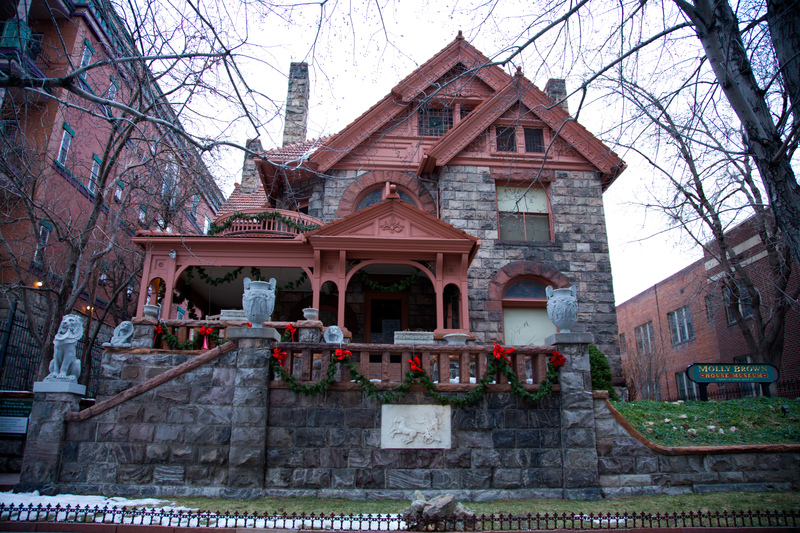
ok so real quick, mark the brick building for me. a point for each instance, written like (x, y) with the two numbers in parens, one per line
(687, 318)
(448, 206)
(79, 174)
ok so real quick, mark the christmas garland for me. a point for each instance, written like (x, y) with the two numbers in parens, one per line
(497, 363)
(400, 286)
(227, 278)
(209, 333)
(260, 217)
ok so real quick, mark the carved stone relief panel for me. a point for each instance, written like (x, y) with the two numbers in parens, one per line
(415, 426)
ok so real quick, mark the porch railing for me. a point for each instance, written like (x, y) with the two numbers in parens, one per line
(280, 223)
(453, 368)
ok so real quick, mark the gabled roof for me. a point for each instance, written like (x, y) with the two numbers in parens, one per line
(240, 201)
(404, 226)
(520, 89)
(459, 51)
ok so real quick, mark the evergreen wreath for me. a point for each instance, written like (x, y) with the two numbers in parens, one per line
(498, 363)
(260, 217)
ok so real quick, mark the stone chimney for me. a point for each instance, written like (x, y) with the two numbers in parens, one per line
(294, 127)
(250, 177)
(556, 89)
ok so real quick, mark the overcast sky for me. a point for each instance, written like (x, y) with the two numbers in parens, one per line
(361, 52)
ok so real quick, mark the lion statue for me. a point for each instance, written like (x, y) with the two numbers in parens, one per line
(65, 365)
(122, 337)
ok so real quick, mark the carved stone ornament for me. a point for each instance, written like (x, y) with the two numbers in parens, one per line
(122, 337)
(65, 365)
(415, 426)
(258, 300)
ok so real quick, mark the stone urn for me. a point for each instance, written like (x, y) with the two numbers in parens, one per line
(151, 310)
(456, 338)
(562, 307)
(258, 300)
(311, 313)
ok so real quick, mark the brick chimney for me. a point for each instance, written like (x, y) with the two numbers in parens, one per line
(294, 127)
(556, 89)
(250, 177)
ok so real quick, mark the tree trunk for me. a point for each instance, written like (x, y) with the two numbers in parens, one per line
(718, 30)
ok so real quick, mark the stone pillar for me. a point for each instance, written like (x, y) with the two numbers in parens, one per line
(578, 438)
(247, 458)
(309, 331)
(41, 461)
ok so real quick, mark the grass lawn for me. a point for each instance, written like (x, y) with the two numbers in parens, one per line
(715, 423)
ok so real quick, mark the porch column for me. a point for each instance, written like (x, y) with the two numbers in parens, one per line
(438, 287)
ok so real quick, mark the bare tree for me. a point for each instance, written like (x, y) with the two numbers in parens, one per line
(712, 188)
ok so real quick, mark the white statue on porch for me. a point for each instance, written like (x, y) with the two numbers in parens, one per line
(122, 337)
(65, 365)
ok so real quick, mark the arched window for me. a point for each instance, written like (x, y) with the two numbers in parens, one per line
(525, 320)
(373, 196)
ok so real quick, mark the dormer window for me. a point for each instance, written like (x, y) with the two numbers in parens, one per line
(507, 139)
(534, 140)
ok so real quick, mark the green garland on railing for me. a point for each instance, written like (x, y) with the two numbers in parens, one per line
(400, 286)
(497, 363)
(227, 278)
(162, 333)
(260, 217)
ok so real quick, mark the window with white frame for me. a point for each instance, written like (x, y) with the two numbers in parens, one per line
(88, 51)
(45, 228)
(687, 389)
(523, 214)
(680, 325)
(207, 225)
(112, 90)
(195, 205)
(143, 215)
(94, 175)
(743, 301)
(645, 340)
(66, 141)
(119, 190)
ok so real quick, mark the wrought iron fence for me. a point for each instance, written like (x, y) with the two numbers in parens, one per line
(21, 357)
(393, 522)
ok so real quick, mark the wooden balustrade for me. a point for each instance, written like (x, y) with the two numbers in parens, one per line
(453, 368)
(269, 226)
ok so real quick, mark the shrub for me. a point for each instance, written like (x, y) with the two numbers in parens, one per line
(601, 372)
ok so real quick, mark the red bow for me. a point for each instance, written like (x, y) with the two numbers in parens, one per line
(206, 331)
(291, 329)
(249, 324)
(558, 359)
(279, 355)
(158, 331)
(499, 352)
(416, 364)
(341, 355)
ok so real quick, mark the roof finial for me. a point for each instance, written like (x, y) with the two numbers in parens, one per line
(460, 36)
(519, 71)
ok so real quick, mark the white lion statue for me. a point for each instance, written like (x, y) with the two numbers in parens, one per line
(65, 365)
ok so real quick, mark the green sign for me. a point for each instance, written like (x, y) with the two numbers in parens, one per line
(14, 415)
(744, 373)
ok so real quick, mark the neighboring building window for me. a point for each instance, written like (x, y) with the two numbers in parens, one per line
(645, 340)
(88, 51)
(534, 140)
(709, 308)
(374, 196)
(129, 292)
(743, 302)
(112, 90)
(94, 174)
(506, 139)
(207, 225)
(680, 325)
(687, 389)
(118, 191)
(66, 140)
(170, 184)
(623, 348)
(143, 215)
(435, 122)
(525, 320)
(102, 279)
(195, 205)
(45, 228)
(523, 214)
(181, 313)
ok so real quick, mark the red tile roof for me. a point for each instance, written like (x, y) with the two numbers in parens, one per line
(242, 201)
(295, 151)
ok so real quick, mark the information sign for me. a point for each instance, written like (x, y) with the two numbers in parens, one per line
(14, 413)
